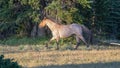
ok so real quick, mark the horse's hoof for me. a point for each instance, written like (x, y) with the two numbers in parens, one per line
(75, 49)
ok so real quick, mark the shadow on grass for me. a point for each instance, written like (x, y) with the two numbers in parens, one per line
(90, 65)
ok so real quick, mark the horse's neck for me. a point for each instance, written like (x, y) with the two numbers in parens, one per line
(52, 25)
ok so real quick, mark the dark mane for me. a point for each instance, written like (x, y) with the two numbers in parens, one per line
(54, 20)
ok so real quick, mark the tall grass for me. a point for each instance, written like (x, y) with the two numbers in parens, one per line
(36, 43)
(15, 41)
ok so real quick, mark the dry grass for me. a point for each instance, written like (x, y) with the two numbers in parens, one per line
(68, 59)
(29, 52)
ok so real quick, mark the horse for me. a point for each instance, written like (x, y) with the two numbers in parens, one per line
(63, 31)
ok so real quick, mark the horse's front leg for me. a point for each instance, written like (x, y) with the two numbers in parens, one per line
(49, 42)
(57, 42)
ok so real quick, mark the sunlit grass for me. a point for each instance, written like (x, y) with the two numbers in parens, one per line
(48, 58)
(36, 55)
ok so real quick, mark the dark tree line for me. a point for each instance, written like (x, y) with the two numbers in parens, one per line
(21, 17)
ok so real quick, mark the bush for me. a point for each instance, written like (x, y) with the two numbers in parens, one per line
(8, 63)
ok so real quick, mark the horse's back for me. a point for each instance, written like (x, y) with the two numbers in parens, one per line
(74, 25)
(76, 28)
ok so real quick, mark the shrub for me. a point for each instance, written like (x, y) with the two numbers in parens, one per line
(8, 63)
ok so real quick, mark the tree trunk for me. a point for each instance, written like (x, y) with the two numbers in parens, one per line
(41, 32)
(34, 31)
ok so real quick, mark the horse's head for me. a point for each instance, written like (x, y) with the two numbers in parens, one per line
(42, 23)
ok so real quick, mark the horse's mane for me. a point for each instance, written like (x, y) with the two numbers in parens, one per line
(54, 20)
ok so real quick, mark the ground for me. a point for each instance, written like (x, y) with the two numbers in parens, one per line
(104, 57)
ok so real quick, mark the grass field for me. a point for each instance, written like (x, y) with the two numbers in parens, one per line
(30, 56)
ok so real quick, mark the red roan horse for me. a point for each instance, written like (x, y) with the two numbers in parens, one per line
(63, 31)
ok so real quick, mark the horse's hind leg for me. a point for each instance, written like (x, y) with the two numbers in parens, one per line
(83, 39)
(78, 42)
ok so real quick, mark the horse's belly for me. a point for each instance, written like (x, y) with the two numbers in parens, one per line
(65, 33)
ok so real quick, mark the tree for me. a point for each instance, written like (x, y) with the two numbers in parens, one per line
(24, 15)
(113, 20)
(67, 11)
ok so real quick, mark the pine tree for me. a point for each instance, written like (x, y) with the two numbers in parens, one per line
(113, 20)
(100, 14)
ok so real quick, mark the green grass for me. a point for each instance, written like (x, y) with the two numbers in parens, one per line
(15, 41)
(37, 43)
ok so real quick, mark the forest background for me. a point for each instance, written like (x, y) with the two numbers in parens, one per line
(20, 18)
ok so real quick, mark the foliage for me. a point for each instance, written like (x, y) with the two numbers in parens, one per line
(106, 13)
(67, 11)
(8, 63)
(18, 17)
(113, 20)
(100, 13)
(22, 14)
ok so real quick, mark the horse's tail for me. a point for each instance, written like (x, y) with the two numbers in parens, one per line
(87, 34)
